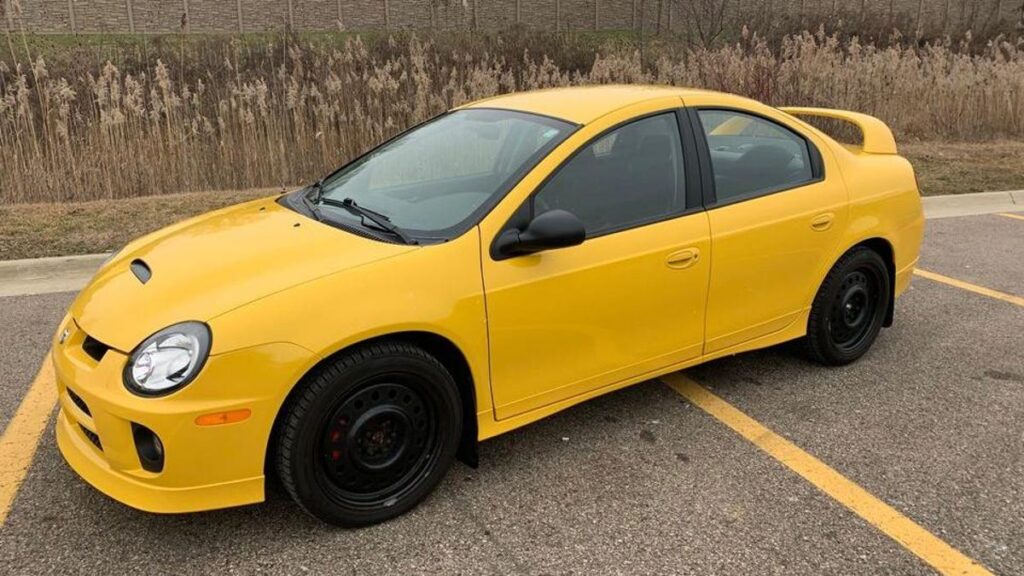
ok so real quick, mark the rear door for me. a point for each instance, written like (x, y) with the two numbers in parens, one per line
(775, 217)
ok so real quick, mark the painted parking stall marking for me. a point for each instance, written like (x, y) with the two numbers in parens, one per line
(1012, 299)
(21, 437)
(937, 553)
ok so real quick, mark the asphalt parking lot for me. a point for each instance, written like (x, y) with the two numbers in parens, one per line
(930, 422)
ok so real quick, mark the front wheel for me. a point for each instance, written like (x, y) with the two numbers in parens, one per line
(849, 309)
(370, 435)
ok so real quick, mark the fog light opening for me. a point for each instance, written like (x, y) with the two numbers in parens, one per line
(149, 448)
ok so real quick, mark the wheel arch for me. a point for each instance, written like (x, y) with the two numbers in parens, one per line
(438, 346)
(883, 248)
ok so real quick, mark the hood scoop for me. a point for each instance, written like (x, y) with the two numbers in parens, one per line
(141, 270)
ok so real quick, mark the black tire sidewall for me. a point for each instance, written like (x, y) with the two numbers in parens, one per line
(325, 391)
(823, 346)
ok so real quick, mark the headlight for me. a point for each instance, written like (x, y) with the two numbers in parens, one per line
(168, 360)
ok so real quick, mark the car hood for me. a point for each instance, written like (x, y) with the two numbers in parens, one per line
(214, 263)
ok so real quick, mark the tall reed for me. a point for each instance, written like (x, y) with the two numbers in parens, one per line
(244, 116)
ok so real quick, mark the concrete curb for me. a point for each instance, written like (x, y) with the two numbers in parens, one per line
(973, 204)
(71, 273)
(47, 275)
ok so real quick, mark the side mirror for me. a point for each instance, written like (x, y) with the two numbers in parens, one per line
(552, 229)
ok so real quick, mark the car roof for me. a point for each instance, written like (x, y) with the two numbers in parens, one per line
(580, 104)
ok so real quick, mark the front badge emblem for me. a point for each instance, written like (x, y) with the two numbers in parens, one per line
(64, 336)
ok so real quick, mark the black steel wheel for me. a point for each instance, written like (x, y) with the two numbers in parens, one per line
(370, 435)
(849, 308)
(378, 441)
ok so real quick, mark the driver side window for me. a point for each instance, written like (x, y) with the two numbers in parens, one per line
(628, 177)
(751, 156)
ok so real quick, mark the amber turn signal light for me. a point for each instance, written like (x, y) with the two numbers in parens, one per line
(228, 417)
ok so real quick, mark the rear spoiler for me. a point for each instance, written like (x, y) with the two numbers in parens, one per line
(878, 139)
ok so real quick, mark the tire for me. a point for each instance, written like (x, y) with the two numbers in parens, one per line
(369, 435)
(849, 308)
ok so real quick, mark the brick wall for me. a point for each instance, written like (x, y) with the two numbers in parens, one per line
(155, 16)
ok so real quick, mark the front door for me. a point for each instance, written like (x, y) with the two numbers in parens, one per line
(627, 301)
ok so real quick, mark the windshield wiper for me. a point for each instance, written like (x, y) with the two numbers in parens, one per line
(318, 189)
(379, 220)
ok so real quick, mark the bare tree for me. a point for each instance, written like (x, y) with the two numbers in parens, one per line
(705, 17)
(740, 17)
(6, 15)
(996, 15)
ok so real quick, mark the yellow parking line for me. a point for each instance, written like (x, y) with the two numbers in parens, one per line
(941, 556)
(21, 437)
(971, 287)
(1008, 215)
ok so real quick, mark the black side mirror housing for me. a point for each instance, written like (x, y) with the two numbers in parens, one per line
(550, 230)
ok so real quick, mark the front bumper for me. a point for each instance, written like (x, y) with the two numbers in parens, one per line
(204, 467)
(129, 488)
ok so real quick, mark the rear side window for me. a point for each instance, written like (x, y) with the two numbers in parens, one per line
(631, 176)
(751, 156)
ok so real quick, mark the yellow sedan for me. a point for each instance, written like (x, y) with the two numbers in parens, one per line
(483, 270)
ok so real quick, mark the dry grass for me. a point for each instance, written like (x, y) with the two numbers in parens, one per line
(38, 230)
(236, 116)
(961, 168)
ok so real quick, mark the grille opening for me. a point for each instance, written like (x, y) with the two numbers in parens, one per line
(91, 436)
(94, 348)
(77, 400)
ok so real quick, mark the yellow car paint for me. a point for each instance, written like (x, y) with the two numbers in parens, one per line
(581, 105)
(755, 293)
(877, 138)
(543, 306)
(206, 466)
(256, 242)
(539, 333)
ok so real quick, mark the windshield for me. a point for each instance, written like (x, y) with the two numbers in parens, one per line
(435, 179)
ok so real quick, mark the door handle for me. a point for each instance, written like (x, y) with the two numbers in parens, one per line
(822, 222)
(683, 258)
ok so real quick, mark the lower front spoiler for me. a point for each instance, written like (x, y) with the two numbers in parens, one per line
(83, 459)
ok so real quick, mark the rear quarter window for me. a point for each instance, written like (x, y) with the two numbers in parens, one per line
(751, 155)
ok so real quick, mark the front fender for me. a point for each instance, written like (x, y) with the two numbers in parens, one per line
(434, 289)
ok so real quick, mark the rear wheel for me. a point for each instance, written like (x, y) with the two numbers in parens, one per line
(370, 435)
(849, 309)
